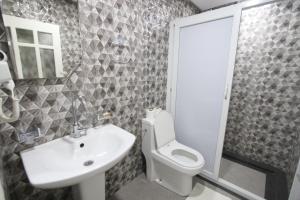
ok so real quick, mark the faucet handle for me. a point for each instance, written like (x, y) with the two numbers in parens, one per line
(78, 131)
(82, 131)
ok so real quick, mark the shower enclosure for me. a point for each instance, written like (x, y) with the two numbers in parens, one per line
(201, 64)
(201, 98)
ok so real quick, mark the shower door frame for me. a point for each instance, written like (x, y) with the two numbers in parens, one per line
(172, 72)
(209, 16)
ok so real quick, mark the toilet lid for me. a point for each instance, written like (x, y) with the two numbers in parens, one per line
(164, 128)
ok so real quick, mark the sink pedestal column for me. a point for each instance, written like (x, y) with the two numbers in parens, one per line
(91, 189)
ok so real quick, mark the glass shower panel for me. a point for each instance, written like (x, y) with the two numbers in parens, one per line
(201, 82)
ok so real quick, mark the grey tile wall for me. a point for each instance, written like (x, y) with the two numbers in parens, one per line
(2, 183)
(125, 89)
(264, 114)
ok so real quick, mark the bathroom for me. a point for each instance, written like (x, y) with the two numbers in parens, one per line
(109, 65)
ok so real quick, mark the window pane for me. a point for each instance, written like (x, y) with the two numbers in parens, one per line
(45, 38)
(25, 36)
(28, 60)
(48, 63)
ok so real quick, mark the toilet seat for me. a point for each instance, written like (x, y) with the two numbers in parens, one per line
(180, 157)
(172, 153)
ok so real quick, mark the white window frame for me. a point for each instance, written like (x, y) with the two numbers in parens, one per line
(35, 26)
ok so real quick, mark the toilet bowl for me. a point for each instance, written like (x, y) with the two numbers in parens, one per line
(168, 162)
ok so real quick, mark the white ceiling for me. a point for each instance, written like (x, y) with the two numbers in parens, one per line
(207, 4)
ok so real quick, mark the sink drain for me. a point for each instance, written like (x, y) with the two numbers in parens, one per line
(88, 163)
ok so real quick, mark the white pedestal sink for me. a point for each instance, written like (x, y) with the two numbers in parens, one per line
(78, 162)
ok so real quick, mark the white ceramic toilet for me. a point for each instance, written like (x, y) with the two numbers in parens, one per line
(169, 163)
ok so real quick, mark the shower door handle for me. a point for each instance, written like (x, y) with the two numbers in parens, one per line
(226, 93)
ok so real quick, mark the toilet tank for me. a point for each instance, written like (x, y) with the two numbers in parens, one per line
(148, 142)
(148, 137)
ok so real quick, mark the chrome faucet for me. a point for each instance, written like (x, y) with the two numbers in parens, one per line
(77, 131)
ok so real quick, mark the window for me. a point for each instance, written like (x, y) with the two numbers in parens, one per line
(36, 47)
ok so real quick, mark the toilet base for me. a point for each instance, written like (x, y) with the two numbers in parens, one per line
(171, 179)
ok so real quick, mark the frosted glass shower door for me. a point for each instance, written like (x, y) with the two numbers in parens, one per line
(201, 85)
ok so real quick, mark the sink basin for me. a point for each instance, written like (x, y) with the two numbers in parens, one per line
(69, 161)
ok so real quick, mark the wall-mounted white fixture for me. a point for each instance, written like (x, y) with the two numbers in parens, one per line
(7, 83)
(36, 48)
(78, 162)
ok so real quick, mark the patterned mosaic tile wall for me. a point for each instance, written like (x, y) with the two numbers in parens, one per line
(124, 64)
(2, 182)
(125, 45)
(3, 48)
(264, 114)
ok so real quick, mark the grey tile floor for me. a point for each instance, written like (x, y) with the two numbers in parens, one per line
(244, 177)
(142, 189)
